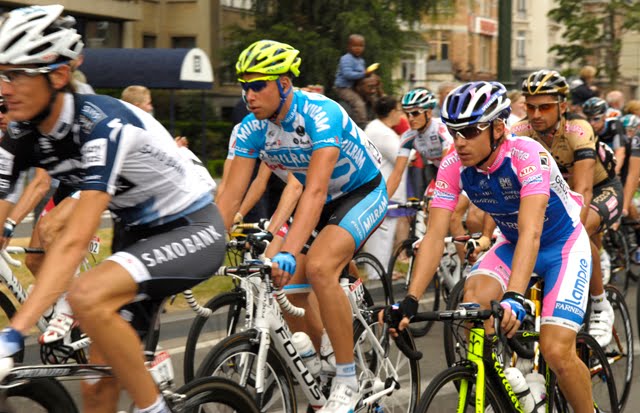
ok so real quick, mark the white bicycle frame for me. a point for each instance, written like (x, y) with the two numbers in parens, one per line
(271, 327)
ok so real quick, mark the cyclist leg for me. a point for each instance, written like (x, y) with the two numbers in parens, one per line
(489, 277)
(99, 395)
(151, 266)
(345, 224)
(606, 209)
(564, 304)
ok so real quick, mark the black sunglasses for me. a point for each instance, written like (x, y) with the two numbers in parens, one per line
(258, 84)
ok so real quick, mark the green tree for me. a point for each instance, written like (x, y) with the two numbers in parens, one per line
(595, 29)
(320, 29)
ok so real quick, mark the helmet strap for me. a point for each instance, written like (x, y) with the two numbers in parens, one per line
(283, 99)
(493, 142)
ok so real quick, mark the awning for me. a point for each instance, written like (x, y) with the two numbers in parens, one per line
(153, 68)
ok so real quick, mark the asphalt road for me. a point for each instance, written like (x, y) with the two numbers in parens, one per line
(176, 325)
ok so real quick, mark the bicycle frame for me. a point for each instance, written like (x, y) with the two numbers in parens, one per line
(272, 328)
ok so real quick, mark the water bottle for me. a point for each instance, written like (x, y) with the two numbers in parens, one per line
(538, 389)
(521, 388)
(304, 347)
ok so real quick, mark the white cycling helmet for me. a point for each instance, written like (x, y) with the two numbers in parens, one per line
(38, 35)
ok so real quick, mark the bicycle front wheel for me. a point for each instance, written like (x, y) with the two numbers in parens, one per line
(236, 358)
(213, 395)
(442, 393)
(37, 395)
(227, 314)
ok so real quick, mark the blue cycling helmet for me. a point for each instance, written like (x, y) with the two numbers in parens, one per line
(476, 102)
(594, 107)
(419, 98)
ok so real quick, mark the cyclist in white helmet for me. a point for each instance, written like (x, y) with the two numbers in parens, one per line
(121, 159)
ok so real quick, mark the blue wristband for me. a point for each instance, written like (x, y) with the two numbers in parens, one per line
(286, 262)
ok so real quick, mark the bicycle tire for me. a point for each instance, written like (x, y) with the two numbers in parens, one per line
(221, 362)
(442, 393)
(454, 350)
(227, 310)
(9, 309)
(45, 394)
(620, 350)
(214, 391)
(602, 380)
(615, 243)
(369, 264)
(370, 370)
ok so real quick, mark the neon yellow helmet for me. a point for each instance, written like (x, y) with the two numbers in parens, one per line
(270, 58)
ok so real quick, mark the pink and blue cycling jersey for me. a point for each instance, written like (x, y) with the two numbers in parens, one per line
(522, 168)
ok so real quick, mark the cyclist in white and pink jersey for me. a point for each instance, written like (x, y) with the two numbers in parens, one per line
(517, 182)
(428, 136)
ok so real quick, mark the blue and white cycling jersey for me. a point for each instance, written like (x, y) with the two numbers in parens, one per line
(313, 122)
(101, 143)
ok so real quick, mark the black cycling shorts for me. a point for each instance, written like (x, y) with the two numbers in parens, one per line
(167, 259)
(607, 201)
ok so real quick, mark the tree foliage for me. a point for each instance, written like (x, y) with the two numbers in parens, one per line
(595, 29)
(320, 29)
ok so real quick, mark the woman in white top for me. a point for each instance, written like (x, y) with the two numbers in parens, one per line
(380, 132)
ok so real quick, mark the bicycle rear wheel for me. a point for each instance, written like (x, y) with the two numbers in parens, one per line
(227, 315)
(619, 352)
(37, 396)
(213, 395)
(442, 393)
(602, 381)
(377, 282)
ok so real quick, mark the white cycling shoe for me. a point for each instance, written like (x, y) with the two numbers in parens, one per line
(59, 327)
(343, 399)
(601, 325)
(61, 323)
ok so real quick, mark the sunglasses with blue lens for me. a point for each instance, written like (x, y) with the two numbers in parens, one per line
(256, 84)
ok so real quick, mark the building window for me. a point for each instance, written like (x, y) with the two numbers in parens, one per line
(100, 33)
(485, 53)
(521, 9)
(183, 42)
(439, 46)
(521, 48)
(149, 41)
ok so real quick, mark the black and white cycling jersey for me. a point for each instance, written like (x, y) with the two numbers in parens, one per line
(101, 143)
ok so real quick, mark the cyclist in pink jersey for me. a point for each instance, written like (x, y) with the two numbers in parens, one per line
(518, 184)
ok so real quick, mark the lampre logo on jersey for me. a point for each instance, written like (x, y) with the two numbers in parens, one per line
(94, 153)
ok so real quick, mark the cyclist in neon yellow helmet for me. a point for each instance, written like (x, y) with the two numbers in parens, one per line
(272, 59)
(344, 196)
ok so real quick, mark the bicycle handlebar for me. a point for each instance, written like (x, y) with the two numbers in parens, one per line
(250, 269)
(463, 314)
(413, 204)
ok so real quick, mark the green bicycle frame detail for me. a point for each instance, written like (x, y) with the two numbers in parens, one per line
(475, 355)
